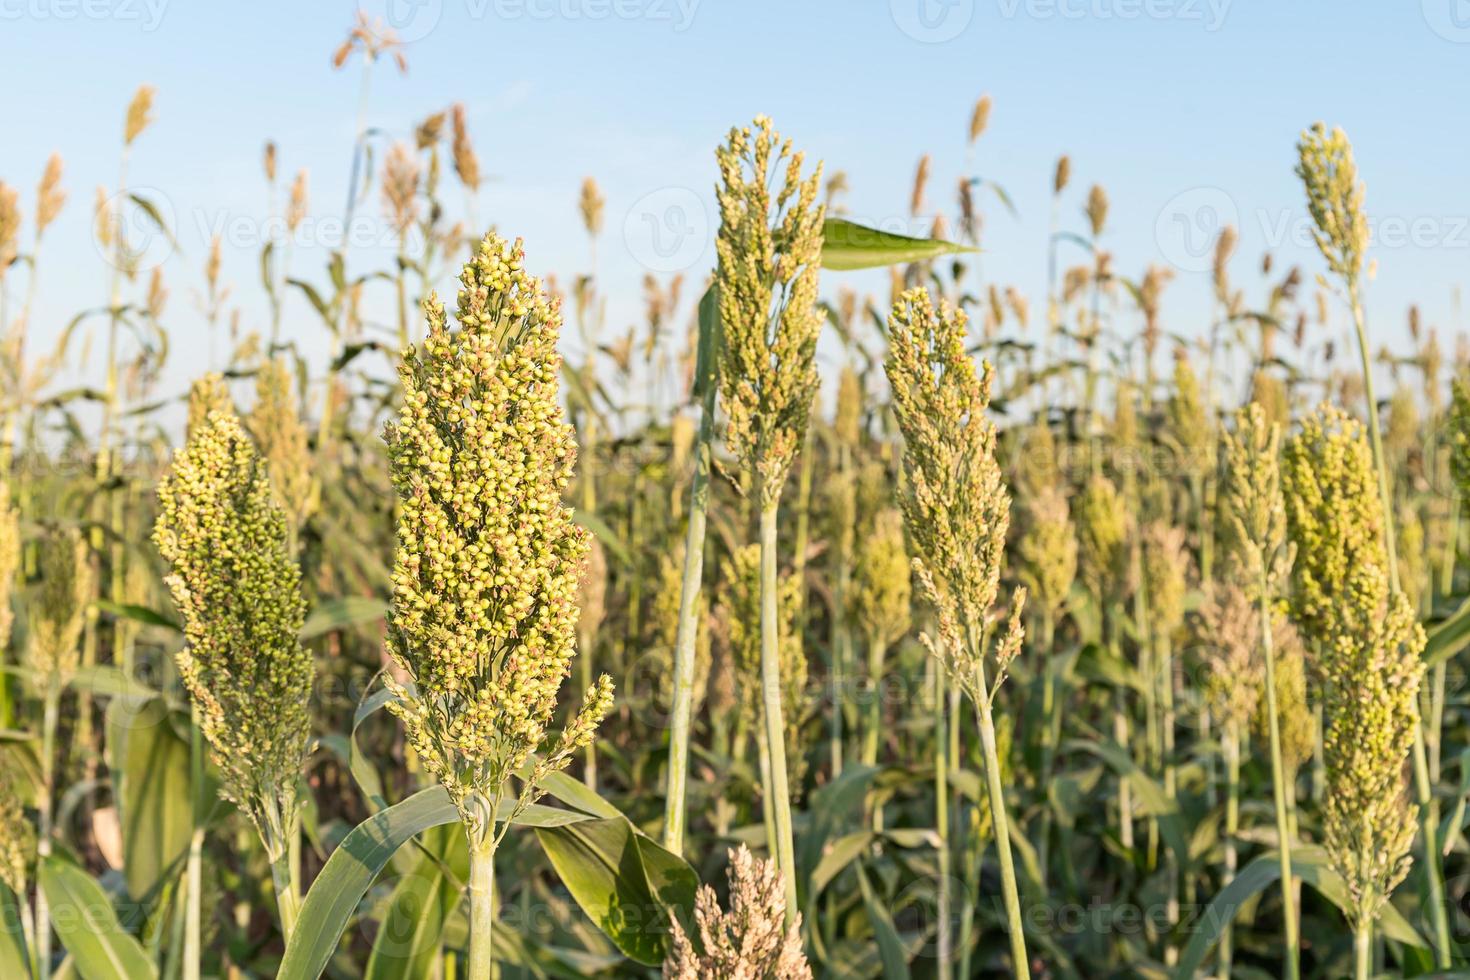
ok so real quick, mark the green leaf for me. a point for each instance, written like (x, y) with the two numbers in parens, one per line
(107, 680)
(1152, 799)
(627, 884)
(422, 901)
(350, 872)
(605, 534)
(84, 919)
(336, 614)
(890, 946)
(154, 805)
(151, 210)
(15, 958)
(1308, 863)
(707, 354)
(138, 614)
(1449, 636)
(847, 245)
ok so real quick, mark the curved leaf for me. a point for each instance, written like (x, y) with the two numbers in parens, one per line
(350, 872)
(84, 919)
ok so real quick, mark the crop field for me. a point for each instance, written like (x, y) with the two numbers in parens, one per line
(849, 613)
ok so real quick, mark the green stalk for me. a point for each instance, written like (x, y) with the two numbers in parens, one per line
(1279, 790)
(1020, 962)
(941, 825)
(288, 898)
(1429, 832)
(588, 489)
(1165, 663)
(194, 869)
(43, 844)
(1232, 827)
(688, 631)
(482, 909)
(1363, 951)
(778, 793)
(877, 649)
(1048, 747)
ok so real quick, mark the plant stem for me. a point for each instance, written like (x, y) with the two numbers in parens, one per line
(941, 825)
(687, 633)
(482, 909)
(288, 900)
(1048, 747)
(778, 794)
(1362, 951)
(1020, 963)
(1232, 827)
(194, 868)
(43, 844)
(877, 648)
(1279, 790)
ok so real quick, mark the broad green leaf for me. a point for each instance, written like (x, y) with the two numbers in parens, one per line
(336, 614)
(1151, 798)
(84, 919)
(847, 245)
(423, 900)
(154, 805)
(350, 872)
(1308, 863)
(110, 681)
(1449, 636)
(707, 354)
(627, 884)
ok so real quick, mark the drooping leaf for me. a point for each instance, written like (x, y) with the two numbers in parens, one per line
(847, 245)
(340, 613)
(154, 804)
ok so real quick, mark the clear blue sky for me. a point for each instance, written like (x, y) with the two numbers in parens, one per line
(1161, 101)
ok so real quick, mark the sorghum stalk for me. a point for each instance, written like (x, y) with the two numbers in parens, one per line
(56, 625)
(687, 633)
(1335, 199)
(958, 513)
(486, 571)
(770, 247)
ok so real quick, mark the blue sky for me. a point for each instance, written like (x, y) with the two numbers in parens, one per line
(1183, 109)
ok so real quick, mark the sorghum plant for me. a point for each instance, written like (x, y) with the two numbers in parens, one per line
(958, 512)
(488, 563)
(1262, 560)
(753, 941)
(770, 250)
(239, 591)
(1367, 644)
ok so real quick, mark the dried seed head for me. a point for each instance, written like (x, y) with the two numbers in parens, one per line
(1165, 566)
(268, 161)
(296, 208)
(979, 117)
(1260, 553)
(49, 195)
(770, 250)
(9, 227)
(401, 187)
(848, 420)
(750, 942)
(430, 131)
(140, 114)
(1062, 175)
(1190, 433)
(1097, 209)
(466, 163)
(1334, 198)
(488, 565)
(1224, 249)
(591, 204)
(55, 619)
(1229, 641)
(921, 183)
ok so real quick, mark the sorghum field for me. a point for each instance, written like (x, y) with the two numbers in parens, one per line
(1017, 635)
